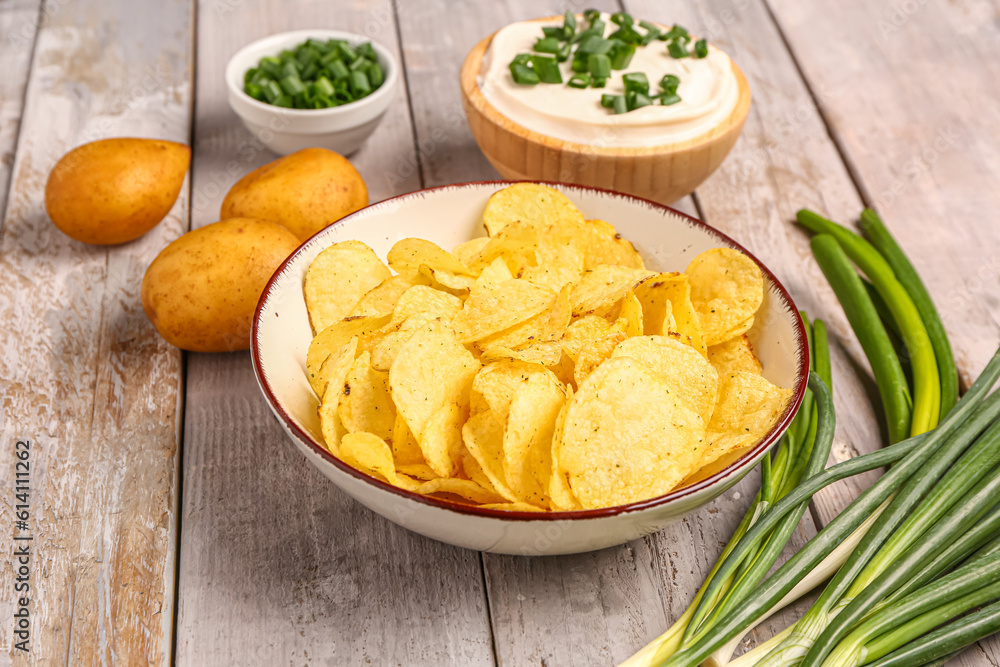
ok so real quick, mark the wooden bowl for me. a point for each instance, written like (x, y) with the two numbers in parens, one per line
(663, 173)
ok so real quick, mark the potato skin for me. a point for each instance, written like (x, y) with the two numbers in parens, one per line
(201, 291)
(304, 192)
(115, 190)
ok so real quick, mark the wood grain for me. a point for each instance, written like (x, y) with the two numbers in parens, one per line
(589, 609)
(929, 164)
(276, 565)
(84, 375)
(19, 22)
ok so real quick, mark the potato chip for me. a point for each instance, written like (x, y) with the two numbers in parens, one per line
(736, 354)
(546, 354)
(512, 507)
(603, 286)
(418, 471)
(337, 279)
(385, 351)
(626, 436)
(676, 289)
(441, 439)
(369, 454)
(366, 404)
(405, 450)
(427, 301)
(558, 261)
(560, 494)
(332, 340)
(657, 308)
(483, 436)
(738, 330)
(472, 470)
(595, 353)
(497, 382)
(548, 325)
(408, 255)
(493, 309)
(382, 299)
(335, 369)
(468, 250)
(748, 408)
(686, 372)
(431, 370)
(531, 203)
(727, 288)
(604, 245)
(582, 331)
(496, 272)
(527, 437)
(631, 313)
(463, 488)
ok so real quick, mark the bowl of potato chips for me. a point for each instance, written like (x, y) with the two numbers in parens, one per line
(529, 368)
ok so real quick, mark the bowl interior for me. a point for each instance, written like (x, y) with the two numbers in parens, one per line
(449, 215)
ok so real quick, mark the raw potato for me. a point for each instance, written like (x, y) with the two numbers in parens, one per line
(115, 190)
(201, 291)
(303, 192)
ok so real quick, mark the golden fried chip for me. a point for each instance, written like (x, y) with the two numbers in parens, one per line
(531, 203)
(560, 493)
(382, 299)
(425, 300)
(515, 243)
(441, 440)
(468, 250)
(603, 286)
(431, 370)
(581, 332)
(494, 308)
(337, 279)
(512, 507)
(676, 289)
(558, 261)
(604, 245)
(495, 273)
(497, 382)
(626, 436)
(474, 471)
(456, 283)
(366, 404)
(657, 308)
(408, 255)
(546, 354)
(335, 369)
(736, 354)
(405, 450)
(527, 437)
(548, 325)
(369, 454)
(687, 373)
(483, 436)
(595, 353)
(332, 340)
(631, 313)
(727, 288)
(418, 471)
(748, 408)
(463, 488)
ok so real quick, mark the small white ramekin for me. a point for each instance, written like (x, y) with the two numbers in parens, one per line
(342, 129)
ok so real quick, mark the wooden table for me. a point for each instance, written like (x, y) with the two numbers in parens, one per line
(171, 519)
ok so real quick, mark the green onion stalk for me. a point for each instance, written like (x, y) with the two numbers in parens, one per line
(802, 454)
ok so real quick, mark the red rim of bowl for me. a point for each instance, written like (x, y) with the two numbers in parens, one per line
(735, 467)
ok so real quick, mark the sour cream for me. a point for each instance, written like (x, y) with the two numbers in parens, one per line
(708, 90)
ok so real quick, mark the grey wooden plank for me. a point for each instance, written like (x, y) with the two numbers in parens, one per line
(276, 565)
(84, 375)
(588, 609)
(928, 163)
(19, 21)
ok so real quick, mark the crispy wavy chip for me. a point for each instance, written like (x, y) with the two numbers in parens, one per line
(405, 450)
(675, 288)
(492, 309)
(515, 243)
(657, 308)
(431, 370)
(417, 471)
(468, 250)
(366, 405)
(531, 203)
(370, 454)
(496, 272)
(548, 325)
(382, 299)
(748, 407)
(604, 245)
(495, 384)
(595, 353)
(559, 261)
(546, 354)
(527, 437)
(463, 488)
(582, 331)
(736, 354)
(474, 471)
(631, 313)
(601, 287)
(337, 279)
(483, 436)
(727, 288)
(686, 372)
(627, 437)
(560, 493)
(441, 440)
(512, 507)
(332, 340)
(408, 255)
(335, 369)
(423, 300)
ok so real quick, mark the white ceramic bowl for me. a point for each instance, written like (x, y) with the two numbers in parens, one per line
(447, 216)
(342, 129)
